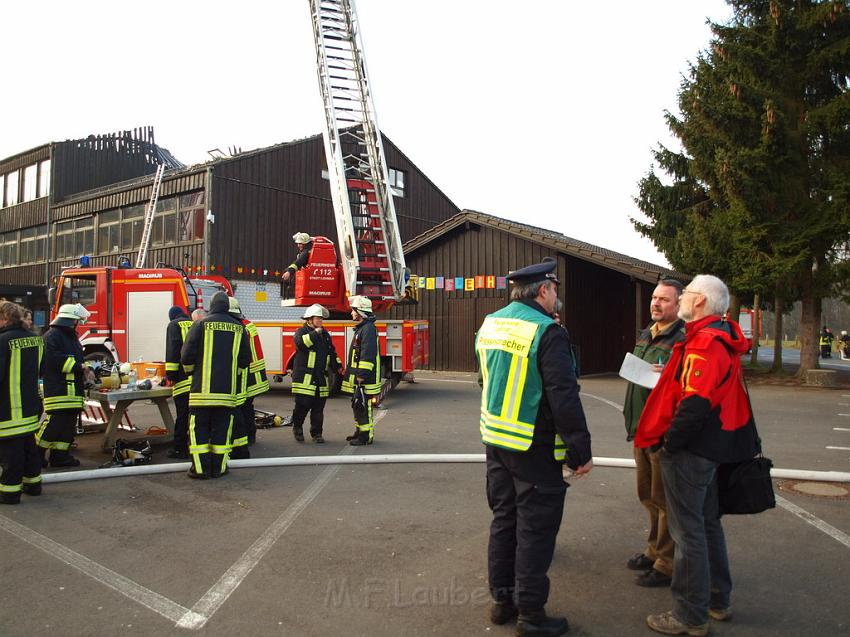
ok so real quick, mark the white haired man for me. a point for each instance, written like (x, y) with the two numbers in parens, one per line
(699, 414)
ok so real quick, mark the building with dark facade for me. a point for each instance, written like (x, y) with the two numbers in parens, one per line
(233, 216)
(461, 267)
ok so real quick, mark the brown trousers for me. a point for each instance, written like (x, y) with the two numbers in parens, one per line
(650, 488)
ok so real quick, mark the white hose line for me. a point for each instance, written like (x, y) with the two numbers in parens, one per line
(621, 463)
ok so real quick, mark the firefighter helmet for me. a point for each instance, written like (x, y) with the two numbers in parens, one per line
(361, 303)
(234, 306)
(315, 310)
(69, 313)
(301, 237)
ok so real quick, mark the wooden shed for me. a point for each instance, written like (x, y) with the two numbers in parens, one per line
(605, 294)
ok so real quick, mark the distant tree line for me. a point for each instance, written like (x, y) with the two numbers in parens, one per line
(759, 192)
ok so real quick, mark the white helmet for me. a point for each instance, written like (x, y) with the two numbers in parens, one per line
(315, 310)
(301, 237)
(71, 312)
(233, 306)
(361, 304)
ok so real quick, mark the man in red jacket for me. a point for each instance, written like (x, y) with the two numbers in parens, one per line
(700, 416)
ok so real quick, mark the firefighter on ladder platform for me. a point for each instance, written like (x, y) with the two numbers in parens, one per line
(304, 243)
(315, 358)
(216, 353)
(21, 355)
(253, 384)
(363, 370)
(175, 335)
(64, 376)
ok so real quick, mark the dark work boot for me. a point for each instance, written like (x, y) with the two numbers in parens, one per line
(240, 453)
(178, 454)
(502, 612)
(353, 436)
(63, 459)
(298, 432)
(32, 489)
(536, 623)
(362, 438)
(10, 498)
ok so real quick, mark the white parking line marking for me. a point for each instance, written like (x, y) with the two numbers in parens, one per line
(831, 531)
(838, 448)
(604, 400)
(120, 584)
(840, 429)
(212, 600)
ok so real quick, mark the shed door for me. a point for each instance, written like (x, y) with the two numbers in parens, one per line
(147, 318)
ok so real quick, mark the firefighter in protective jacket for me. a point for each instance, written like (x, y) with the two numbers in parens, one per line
(363, 370)
(175, 334)
(64, 376)
(216, 353)
(21, 354)
(315, 358)
(253, 384)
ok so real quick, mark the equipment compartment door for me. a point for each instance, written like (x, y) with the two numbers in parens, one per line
(147, 318)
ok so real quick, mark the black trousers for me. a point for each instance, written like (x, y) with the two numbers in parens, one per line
(21, 462)
(250, 423)
(315, 406)
(181, 423)
(526, 519)
(57, 431)
(210, 429)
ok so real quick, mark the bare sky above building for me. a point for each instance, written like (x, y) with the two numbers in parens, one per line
(543, 113)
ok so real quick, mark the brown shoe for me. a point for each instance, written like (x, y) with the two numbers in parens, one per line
(667, 624)
(720, 614)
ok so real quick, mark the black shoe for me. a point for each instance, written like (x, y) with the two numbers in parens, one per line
(502, 612)
(318, 439)
(538, 624)
(196, 476)
(299, 435)
(177, 454)
(640, 562)
(222, 474)
(10, 498)
(359, 441)
(64, 461)
(240, 453)
(32, 489)
(653, 578)
(356, 434)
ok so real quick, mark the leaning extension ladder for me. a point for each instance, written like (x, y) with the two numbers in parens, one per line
(369, 238)
(150, 212)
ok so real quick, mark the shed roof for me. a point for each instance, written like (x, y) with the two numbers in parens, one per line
(608, 258)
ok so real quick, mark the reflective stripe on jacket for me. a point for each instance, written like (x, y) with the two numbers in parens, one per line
(364, 359)
(506, 347)
(175, 336)
(315, 357)
(257, 383)
(21, 356)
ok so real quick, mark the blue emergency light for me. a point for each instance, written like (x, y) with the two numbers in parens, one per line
(85, 261)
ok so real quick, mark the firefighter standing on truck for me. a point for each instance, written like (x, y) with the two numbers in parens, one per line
(64, 376)
(304, 243)
(315, 357)
(175, 335)
(253, 384)
(216, 353)
(21, 354)
(362, 370)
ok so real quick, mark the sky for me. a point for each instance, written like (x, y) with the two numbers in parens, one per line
(544, 113)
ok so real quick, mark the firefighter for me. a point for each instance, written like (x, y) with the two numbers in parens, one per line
(363, 370)
(315, 357)
(21, 354)
(304, 243)
(216, 354)
(175, 335)
(254, 383)
(64, 375)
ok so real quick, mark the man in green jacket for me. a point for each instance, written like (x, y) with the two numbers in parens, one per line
(654, 345)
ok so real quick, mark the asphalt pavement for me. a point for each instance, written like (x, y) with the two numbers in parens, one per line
(400, 549)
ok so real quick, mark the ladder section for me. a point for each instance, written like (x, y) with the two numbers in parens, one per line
(370, 242)
(150, 211)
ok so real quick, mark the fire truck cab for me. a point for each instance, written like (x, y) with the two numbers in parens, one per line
(129, 307)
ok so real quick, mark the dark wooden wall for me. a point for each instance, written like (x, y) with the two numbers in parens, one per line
(599, 303)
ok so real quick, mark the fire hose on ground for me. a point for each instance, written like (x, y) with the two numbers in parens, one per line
(255, 463)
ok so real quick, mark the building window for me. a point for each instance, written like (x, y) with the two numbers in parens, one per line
(12, 188)
(396, 182)
(73, 239)
(8, 249)
(44, 178)
(109, 232)
(133, 221)
(30, 182)
(32, 244)
(2, 191)
(191, 217)
(164, 231)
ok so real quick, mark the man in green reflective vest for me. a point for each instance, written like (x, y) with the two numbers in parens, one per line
(532, 422)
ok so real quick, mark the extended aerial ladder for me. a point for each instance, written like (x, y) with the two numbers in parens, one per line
(150, 212)
(369, 239)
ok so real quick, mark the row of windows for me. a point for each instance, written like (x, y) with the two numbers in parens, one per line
(26, 184)
(178, 219)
